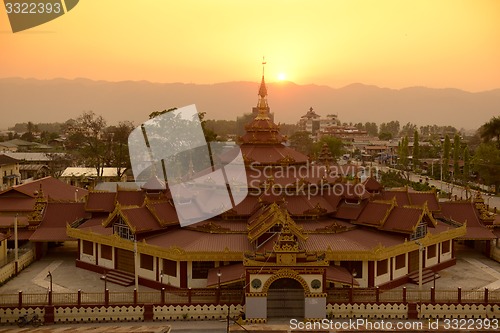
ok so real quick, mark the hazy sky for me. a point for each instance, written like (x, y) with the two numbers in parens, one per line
(391, 44)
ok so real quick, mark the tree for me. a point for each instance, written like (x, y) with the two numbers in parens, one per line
(408, 129)
(334, 144)
(385, 136)
(416, 150)
(390, 127)
(466, 170)
(403, 160)
(88, 130)
(491, 130)
(371, 128)
(302, 142)
(446, 158)
(486, 162)
(118, 147)
(456, 156)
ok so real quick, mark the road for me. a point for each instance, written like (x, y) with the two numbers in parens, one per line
(491, 200)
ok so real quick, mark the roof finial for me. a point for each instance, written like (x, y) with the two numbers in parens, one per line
(263, 65)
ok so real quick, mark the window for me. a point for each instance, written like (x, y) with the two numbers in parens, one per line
(420, 231)
(121, 229)
(431, 251)
(147, 262)
(382, 267)
(200, 269)
(106, 252)
(88, 247)
(400, 261)
(170, 267)
(445, 247)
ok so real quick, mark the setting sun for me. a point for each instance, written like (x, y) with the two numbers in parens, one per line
(281, 76)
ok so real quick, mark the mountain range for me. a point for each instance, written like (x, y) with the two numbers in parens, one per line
(58, 100)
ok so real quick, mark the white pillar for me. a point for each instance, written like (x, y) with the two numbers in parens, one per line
(136, 266)
(420, 265)
(16, 250)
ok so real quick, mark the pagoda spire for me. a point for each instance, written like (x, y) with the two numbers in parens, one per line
(262, 106)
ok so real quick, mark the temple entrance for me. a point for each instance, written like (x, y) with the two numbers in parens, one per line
(285, 299)
(125, 261)
(413, 261)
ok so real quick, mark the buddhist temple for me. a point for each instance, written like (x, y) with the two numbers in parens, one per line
(304, 229)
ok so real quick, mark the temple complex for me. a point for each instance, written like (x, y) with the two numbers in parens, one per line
(304, 229)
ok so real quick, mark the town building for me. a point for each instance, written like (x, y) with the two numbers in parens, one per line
(88, 177)
(303, 230)
(9, 171)
(26, 205)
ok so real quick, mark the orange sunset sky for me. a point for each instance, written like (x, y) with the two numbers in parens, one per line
(393, 44)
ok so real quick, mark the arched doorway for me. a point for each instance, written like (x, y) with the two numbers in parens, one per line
(285, 299)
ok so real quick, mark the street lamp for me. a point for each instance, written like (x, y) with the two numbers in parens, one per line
(161, 277)
(420, 264)
(219, 274)
(488, 197)
(353, 275)
(50, 277)
(105, 278)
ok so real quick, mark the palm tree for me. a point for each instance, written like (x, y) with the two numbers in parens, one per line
(491, 130)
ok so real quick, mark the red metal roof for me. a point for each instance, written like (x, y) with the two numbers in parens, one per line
(101, 202)
(201, 241)
(271, 154)
(165, 212)
(372, 185)
(419, 198)
(8, 221)
(401, 196)
(130, 198)
(374, 213)
(353, 240)
(341, 275)
(16, 204)
(462, 212)
(403, 219)
(228, 274)
(349, 211)
(52, 188)
(141, 219)
(95, 225)
(57, 215)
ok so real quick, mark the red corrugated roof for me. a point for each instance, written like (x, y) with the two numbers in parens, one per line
(19, 204)
(341, 275)
(165, 212)
(130, 198)
(401, 196)
(349, 211)
(101, 202)
(419, 198)
(403, 219)
(8, 221)
(466, 212)
(228, 274)
(374, 213)
(52, 188)
(354, 240)
(194, 241)
(141, 219)
(57, 215)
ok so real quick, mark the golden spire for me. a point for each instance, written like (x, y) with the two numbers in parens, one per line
(262, 103)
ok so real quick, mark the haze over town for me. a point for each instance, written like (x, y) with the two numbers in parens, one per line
(216, 48)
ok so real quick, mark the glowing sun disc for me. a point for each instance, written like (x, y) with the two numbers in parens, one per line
(281, 76)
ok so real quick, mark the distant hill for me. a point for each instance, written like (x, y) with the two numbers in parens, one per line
(57, 100)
